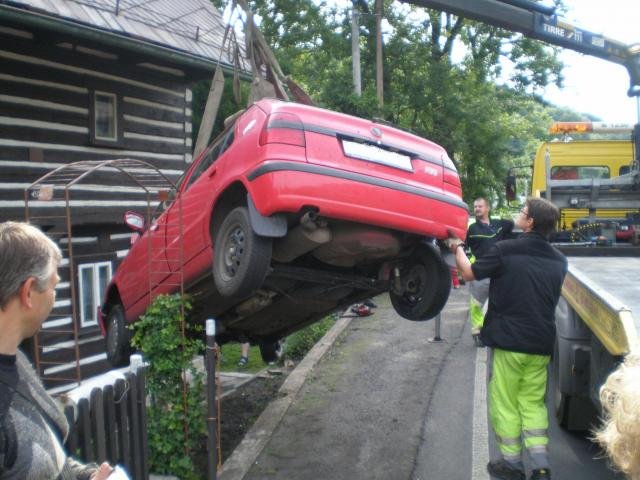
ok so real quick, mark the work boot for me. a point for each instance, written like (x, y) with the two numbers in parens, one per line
(540, 474)
(502, 470)
(477, 340)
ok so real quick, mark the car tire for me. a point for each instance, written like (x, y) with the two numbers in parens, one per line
(241, 258)
(271, 351)
(429, 279)
(117, 338)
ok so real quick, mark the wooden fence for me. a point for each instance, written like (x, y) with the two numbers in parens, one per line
(111, 426)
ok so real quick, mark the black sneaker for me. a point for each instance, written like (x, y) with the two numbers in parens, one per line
(477, 340)
(540, 474)
(502, 470)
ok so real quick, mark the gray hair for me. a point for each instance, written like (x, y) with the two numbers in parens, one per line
(25, 252)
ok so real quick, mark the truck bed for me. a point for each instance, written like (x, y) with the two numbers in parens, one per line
(613, 283)
(619, 276)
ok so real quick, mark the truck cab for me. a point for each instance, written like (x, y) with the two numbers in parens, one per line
(581, 160)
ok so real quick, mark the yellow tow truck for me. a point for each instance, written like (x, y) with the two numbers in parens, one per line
(596, 185)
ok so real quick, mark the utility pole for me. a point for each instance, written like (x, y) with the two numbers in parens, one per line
(355, 50)
(379, 80)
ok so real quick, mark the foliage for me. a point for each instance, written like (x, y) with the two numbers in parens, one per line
(176, 424)
(440, 75)
(300, 342)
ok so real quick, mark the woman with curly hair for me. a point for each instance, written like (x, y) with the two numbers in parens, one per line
(620, 433)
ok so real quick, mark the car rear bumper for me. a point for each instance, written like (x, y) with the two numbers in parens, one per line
(285, 186)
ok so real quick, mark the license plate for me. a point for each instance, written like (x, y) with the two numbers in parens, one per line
(375, 154)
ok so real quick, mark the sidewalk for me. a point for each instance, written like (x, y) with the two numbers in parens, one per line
(354, 408)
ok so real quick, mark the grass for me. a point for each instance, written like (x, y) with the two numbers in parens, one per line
(295, 348)
(231, 355)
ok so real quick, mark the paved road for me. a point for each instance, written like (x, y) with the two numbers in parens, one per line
(386, 403)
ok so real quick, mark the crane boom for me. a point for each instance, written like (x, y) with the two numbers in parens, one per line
(540, 22)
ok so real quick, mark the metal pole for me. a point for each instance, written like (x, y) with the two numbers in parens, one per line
(355, 52)
(212, 419)
(437, 337)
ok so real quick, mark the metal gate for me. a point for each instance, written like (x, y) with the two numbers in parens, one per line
(51, 204)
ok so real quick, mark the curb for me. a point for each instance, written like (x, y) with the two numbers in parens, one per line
(246, 453)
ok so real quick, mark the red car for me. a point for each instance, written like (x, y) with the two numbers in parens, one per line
(292, 213)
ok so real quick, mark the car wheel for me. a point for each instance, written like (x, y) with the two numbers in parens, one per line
(426, 283)
(118, 338)
(271, 351)
(241, 258)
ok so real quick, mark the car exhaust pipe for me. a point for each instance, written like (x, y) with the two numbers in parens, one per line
(302, 239)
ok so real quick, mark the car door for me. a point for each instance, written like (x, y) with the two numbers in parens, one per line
(192, 205)
(145, 266)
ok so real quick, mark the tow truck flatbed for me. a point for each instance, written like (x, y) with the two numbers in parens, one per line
(604, 291)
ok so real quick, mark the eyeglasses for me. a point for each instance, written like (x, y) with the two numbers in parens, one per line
(524, 212)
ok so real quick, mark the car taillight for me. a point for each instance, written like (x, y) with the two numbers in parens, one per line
(283, 128)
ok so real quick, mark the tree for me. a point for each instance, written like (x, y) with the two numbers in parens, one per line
(440, 75)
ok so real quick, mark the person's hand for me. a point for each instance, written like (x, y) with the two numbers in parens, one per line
(103, 472)
(452, 242)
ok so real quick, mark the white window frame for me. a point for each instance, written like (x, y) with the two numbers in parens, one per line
(97, 295)
(97, 93)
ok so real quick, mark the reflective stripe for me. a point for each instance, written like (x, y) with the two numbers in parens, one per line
(537, 449)
(478, 235)
(514, 458)
(540, 432)
(508, 441)
(538, 457)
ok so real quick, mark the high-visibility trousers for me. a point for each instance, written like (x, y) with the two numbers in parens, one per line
(517, 407)
(479, 290)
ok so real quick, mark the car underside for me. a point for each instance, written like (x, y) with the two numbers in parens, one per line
(320, 266)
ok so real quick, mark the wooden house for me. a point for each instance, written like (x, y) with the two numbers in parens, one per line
(94, 80)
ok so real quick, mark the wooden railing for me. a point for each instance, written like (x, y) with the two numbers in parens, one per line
(111, 426)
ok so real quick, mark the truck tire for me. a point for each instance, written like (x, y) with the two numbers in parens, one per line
(241, 258)
(428, 283)
(560, 400)
(574, 413)
(117, 338)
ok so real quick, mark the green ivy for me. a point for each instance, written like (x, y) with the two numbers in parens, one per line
(300, 342)
(173, 430)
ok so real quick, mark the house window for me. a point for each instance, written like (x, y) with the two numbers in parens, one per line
(92, 280)
(105, 117)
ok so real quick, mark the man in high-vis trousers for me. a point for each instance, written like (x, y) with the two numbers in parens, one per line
(481, 235)
(526, 278)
